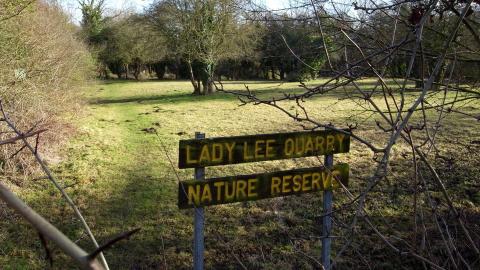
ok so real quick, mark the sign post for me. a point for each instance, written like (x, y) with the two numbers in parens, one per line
(244, 149)
(327, 219)
(200, 152)
(252, 187)
(199, 219)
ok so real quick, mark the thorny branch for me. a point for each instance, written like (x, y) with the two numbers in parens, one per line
(405, 111)
(23, 137)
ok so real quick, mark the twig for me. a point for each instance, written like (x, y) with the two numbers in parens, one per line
(50, 176)
(49, 231)
(110, 243)
(21, 137)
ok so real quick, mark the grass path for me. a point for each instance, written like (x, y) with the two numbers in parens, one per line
(131, 183)
(120, 177)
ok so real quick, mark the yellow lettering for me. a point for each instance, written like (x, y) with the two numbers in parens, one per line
(229, 195)
(241, 188)
(258, 148)
(299, 151)
(193, 194)
(309, 145)
(245, 152)
(252, 184)
(218, 186)
(319, 143)
(205, 154)
(286, 184)
(269, 148)
(335, 179)
(297, 183)
(207, 194)
(340, 138)
(289, 147)
(330, 143)
(306, 182)
(316, 181)
(189, 158)
(217, 152)
(230, 151)
(275, 185)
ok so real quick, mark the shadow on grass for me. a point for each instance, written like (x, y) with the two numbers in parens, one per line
(146, 199)
(271, 90)
(157, 99)
(123, 81)
(188, 97)
(139, 194)
(165, 240)
(258, 81)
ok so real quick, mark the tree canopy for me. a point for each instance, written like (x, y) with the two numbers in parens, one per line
(208, 40)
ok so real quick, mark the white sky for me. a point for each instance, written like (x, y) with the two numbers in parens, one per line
(71, 6)
(276, 4)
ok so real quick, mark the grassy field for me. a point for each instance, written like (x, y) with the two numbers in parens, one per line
(118, 171)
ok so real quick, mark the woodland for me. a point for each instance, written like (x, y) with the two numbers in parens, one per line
(94, 103)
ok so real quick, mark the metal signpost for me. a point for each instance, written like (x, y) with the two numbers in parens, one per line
(327, 219)
(202, 152)
(254, 187)
(199, 219)
(242, 149)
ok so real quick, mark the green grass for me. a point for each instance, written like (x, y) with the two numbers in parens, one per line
(122, 178)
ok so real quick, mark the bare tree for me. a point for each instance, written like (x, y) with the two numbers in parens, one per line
(198, 30)
(413, 51)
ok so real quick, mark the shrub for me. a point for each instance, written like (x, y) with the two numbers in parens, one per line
(43, 66)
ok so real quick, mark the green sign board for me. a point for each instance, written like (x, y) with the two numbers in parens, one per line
(260, 186)
(241, 149)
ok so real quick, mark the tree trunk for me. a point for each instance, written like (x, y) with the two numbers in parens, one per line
(419, 73)
(137, 69)
(105, 72)
(195, 84)
(159, 70)
(177, 68)
(201, 88)
(440, 77)
(126, 71)
(206, 77)
(210, 90)
(205, 87)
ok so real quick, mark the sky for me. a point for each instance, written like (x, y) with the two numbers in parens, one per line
(71, 6)
(276, 4)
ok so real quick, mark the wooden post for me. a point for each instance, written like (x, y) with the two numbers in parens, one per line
(327, 219)
(199, 219)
